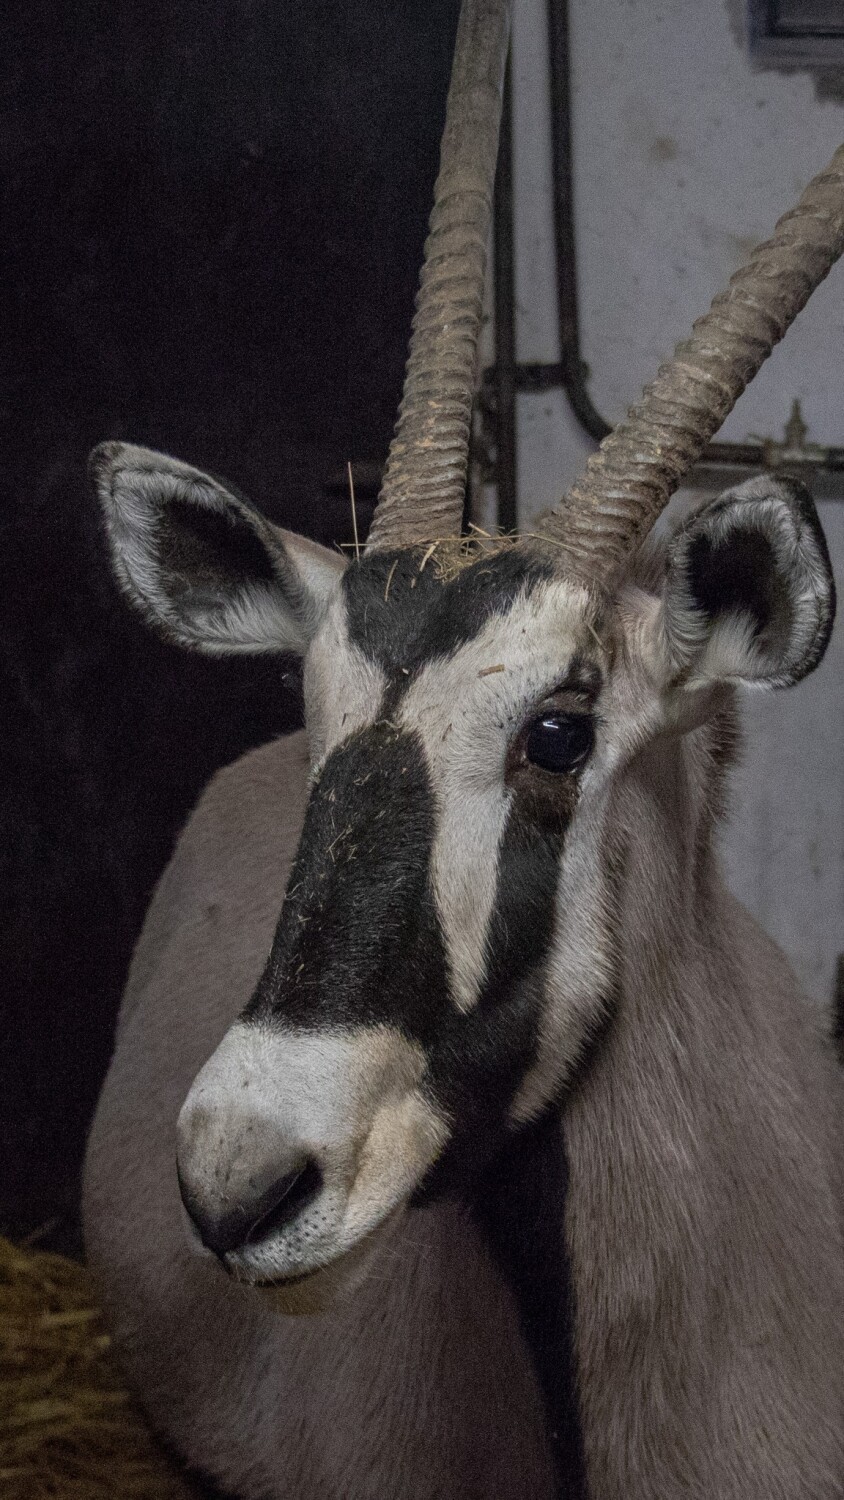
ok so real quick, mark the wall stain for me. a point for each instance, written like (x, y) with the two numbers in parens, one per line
(664, 148)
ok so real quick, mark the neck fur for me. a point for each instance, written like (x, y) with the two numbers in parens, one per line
(701, 1224)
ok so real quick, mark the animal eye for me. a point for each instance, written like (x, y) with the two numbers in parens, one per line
(559, 742)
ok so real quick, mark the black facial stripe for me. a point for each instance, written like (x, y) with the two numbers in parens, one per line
(358, 941)
(481, 1057)
(402, 618)
(522, 920)
(474, 1069)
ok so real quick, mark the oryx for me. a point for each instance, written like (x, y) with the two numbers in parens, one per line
(443, 1026)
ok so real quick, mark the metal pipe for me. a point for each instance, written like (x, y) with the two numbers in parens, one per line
(505, 325)
(569, 373)
(573, 378)
(628, 482)
(568, 316)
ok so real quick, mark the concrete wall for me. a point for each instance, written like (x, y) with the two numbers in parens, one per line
(684, 158)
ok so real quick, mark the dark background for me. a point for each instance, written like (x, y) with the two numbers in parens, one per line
(212, 220)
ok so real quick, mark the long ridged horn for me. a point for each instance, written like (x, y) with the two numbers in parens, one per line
(425, 479)
(637, 468)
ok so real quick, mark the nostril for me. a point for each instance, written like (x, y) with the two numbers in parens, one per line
(292, 1194)
(258, 1214)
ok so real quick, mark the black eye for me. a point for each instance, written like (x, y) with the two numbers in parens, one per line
(559, 742)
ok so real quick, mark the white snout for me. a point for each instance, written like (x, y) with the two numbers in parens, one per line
(294, 1147)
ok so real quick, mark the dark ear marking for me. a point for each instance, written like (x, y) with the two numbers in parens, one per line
(737, 576)
(201, 552)
(204, 567)
(749, 592)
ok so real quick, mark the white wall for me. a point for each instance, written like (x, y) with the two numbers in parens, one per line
(684, 158)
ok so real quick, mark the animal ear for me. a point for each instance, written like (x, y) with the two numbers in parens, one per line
(749, 594)
(202, 564)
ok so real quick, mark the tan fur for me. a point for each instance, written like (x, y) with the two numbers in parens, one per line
(420, 1388)
(703, 1219)
(704, 1215)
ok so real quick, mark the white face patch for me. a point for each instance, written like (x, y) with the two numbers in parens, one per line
(580, 966)
(466, 710)
(343, 687)
(350, 1102)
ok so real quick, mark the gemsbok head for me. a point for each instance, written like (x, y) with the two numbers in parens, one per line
(450, 949)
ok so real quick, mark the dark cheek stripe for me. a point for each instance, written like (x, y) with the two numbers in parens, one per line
(481, 1057)
(526, 895)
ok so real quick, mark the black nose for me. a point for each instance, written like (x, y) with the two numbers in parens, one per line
(260, 1215)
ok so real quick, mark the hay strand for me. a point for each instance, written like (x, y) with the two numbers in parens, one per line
(354, 511)
(68, 1426)
(450, 554)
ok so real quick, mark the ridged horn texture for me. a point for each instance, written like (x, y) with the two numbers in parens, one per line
(425, 479)
(631, 478)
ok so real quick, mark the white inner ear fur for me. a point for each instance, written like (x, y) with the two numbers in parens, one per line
(135, 485)
(255, 618)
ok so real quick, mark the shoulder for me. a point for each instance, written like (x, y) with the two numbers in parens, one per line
(220, 895)
(251, 811)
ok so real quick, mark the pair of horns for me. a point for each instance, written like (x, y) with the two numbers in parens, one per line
(631, 478)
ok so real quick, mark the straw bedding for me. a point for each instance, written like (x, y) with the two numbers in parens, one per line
(68, 1427)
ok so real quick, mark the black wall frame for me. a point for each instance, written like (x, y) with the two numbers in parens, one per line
(796, 33)
(502, 381)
